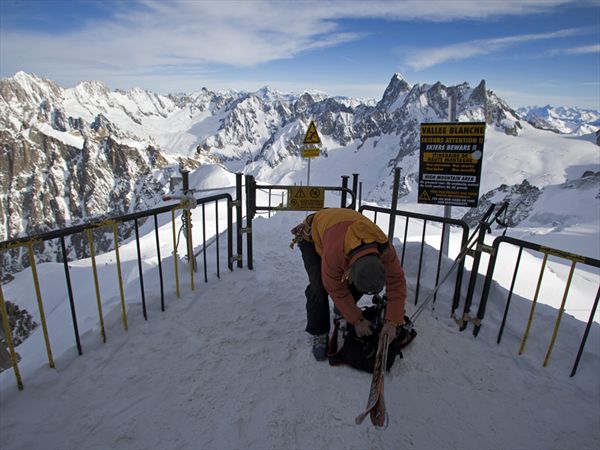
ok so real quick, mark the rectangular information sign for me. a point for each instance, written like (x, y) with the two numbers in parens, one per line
(450, 163)
(307, 198)
(311, 152)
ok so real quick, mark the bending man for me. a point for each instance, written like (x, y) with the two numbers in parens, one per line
(346, 255)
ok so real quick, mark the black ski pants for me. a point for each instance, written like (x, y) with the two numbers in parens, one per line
(317, 299)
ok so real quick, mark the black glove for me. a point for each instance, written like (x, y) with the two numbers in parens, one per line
(404, 330)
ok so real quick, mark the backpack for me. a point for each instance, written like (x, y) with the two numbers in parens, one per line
(360, 352)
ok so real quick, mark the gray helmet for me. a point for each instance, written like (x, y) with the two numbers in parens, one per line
(368, 274)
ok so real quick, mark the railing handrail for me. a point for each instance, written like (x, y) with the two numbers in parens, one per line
(414, 215)
(54, 234)
(288, 188)
(521, 244)
(544, 249)
(446, 221)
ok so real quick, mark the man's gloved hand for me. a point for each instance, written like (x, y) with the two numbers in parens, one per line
(363, 328)
(390, 329)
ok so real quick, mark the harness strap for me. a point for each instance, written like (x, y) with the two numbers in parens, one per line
(303, 231)
(334, 354)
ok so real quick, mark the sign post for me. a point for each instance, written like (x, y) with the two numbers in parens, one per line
(311, 138)
(450, 163)
(447, 208)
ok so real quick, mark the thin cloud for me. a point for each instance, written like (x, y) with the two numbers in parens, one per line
(581, 50)
(238, 33)
(423, 59)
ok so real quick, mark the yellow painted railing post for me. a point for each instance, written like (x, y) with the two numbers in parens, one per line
(123, 310)
(175, 252)
(90, 236)
(190, 246)
(560, 314)
(9, 341)
(537, 292)
(38, 295)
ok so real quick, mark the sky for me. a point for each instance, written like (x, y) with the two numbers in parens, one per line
(529, 52)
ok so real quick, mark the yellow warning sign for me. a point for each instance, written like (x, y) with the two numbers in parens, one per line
(308, 198)
(449, 158)
(311, 136)
(453, 129)
(425, 196)
(311, 152)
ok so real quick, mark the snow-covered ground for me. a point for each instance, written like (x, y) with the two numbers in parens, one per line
(229, 364)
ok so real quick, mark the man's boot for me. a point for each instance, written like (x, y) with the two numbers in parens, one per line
(319, 348)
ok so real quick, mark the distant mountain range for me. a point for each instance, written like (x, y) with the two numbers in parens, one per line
(67, 155)
(573, 121)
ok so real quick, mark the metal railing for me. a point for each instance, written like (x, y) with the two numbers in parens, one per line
(424, 220)
(546, 251)
(252, 207)
(88, 230)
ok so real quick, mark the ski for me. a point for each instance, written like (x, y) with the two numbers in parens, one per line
(375, 404)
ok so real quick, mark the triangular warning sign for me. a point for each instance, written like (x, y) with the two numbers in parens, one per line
(300, 194)
(425, 196)
(311, 136)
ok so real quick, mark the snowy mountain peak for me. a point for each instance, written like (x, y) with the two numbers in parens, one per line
(26, 91)
(93, 88)
(395, 93)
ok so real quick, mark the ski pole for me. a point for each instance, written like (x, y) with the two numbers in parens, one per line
(464, 320)
(484, 222)
(463, 252)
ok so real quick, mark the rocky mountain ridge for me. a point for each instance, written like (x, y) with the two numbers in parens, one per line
(575, 121)
(68, 155)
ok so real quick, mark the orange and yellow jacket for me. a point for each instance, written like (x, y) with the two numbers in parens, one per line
(338, 231)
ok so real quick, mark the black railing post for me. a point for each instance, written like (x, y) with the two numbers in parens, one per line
(70, 292)
(250, 211)
(510, 292)
(473, 279)
(230, 234)
(359, 195)
(187, 216)
(354, 189)
(394, 205)
(238, 225)
(420, 263)
(586, 333)
(204, 250)
(217, 236)
(139, 255)
(459, 272)
(344, 187)
(160, 273)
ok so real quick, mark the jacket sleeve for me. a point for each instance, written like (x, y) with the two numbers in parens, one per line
(395, 283)
(339, 292)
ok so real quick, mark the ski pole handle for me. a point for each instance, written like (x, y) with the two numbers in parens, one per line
(502, 209)
(488, 213)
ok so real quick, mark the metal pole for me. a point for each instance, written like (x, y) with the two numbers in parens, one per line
(140, 269)
(250, 208)
(70, 293)
(355, 189)
(186, 217)
(394, 205)
(447, 208)
(359, 195)
(9, 341)
(238, 224)
(308, 175)
(344, 186)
